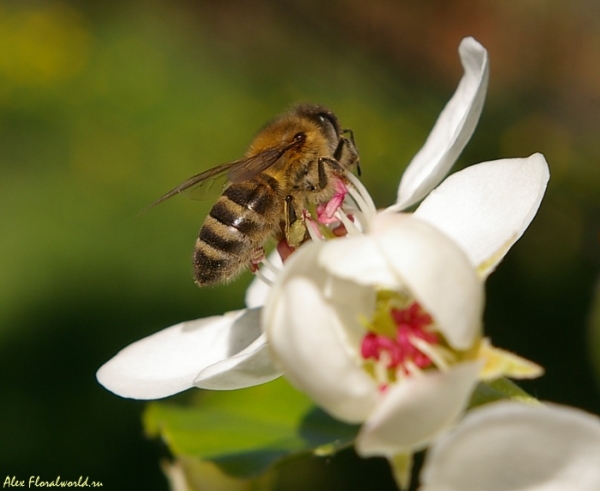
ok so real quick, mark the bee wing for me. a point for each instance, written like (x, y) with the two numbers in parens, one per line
(247, 168)
(237, 171)
(210, 189)
(196, 181)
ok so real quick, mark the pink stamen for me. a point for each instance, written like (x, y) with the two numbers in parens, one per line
(410, 324)
(326, 212)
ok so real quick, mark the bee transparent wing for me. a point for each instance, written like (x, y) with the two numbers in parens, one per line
(210, 189)
(251, 166)
(196, 181)
(237, 171)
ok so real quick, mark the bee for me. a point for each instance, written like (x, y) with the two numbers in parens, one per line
(291, 164)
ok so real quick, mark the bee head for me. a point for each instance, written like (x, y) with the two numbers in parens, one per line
(325, 120)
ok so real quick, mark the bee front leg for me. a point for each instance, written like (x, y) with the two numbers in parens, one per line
(295, 231)
(346, 153)
(258, 255)
(322, 173)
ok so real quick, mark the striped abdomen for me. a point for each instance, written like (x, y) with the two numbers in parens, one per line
(234, 232)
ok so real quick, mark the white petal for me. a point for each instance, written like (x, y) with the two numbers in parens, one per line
(509, 446)
(251, 366)
(415, 411)
(486, 207)
(168, 361)
(309, 342)
(452, 130)
(359, 259)
(436, 271)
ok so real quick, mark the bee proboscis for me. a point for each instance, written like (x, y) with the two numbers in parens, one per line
(290, 166)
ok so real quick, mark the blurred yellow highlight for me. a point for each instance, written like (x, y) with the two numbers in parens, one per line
(41, 46)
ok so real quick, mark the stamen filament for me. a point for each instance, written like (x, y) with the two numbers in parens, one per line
(313, 229)
(432, 353)
(361, 196)
(350, 227)
(270, 266)
(381, 368)
(411, 368)
(360, 219)
(261, 276)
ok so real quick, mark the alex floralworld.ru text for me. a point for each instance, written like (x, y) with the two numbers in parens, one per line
(37, 482)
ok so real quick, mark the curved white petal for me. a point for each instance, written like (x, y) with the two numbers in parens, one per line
(452, 130)
(507, 446)
(168, 361)
(358, 258)
(417, 410)
(309, 341)
(251, 366)
(405, 252)
(485, 208)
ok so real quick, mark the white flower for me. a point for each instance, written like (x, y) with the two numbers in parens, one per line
(508, 446)
(384, 328)
(332, 296)
(227, 352)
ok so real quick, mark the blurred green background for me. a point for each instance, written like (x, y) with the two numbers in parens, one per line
(104, 106)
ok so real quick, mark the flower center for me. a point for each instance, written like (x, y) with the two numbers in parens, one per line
(402, 340)
(411, 325)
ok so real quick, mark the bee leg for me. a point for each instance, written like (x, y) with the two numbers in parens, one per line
(290, 213)
(340, 148)
(295, 231)
(323, 179)
(351, 145)
(258, 255)
(322, 175)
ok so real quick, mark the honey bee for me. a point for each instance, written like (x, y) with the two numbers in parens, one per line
(291, 164)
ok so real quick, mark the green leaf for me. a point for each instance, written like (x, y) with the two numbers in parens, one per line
(190, 474)
(246, 431)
